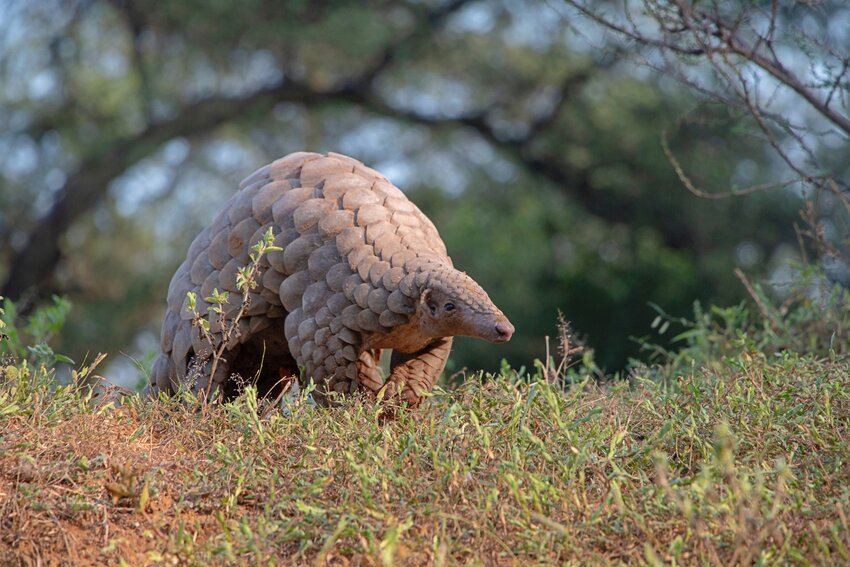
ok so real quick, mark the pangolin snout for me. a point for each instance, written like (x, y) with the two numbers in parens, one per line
(504, 331)
(493, 327)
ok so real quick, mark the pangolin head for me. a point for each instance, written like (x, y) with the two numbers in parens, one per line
(453, 304)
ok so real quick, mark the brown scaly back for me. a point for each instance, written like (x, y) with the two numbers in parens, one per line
(347, 282)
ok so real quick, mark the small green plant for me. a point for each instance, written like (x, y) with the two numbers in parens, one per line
(31, 340)
(224, 329)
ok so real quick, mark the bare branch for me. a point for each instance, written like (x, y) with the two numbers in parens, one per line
(742, 55)
(787, 78)
(633, 33)
(690, 186)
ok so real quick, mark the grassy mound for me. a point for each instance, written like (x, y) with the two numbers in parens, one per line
(745, 462)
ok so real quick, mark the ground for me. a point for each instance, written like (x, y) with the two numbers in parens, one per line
(739, 463)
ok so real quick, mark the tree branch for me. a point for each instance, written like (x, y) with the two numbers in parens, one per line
(575, 183)
(135, 26)
(432, 21)
(34, 263)
(696, 23)
(777, 71)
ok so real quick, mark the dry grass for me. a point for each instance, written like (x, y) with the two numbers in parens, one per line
(744, 464)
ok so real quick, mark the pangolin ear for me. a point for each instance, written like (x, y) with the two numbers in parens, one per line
(426, 302)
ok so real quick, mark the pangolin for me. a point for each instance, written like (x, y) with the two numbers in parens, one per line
(361, 269)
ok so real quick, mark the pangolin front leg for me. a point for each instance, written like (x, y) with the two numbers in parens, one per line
(368, 372)
(413, 374)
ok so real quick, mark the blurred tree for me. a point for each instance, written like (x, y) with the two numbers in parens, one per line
(537, 152)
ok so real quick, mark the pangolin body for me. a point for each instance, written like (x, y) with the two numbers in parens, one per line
(361, 269)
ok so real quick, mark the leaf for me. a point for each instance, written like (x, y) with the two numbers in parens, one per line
(191, 301)
(118, 491)
(144, 497)
(218, 297)
(9, 408)
(391, 539)
(687, 335)
(308, 509)
(244, 277)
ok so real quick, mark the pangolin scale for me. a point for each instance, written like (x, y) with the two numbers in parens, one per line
(361, 269)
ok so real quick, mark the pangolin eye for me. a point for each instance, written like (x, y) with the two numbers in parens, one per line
(449, 306)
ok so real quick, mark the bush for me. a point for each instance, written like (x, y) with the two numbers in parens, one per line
(30, 340)
(814, 319)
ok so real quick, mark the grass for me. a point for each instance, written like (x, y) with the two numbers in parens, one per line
(746, 462)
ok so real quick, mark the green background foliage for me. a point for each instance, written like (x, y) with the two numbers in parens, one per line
(534, 145)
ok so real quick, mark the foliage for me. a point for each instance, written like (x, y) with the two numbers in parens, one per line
(730, 451)
(30, 340)
(739, 462)
(814, 318)
(561, 176)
